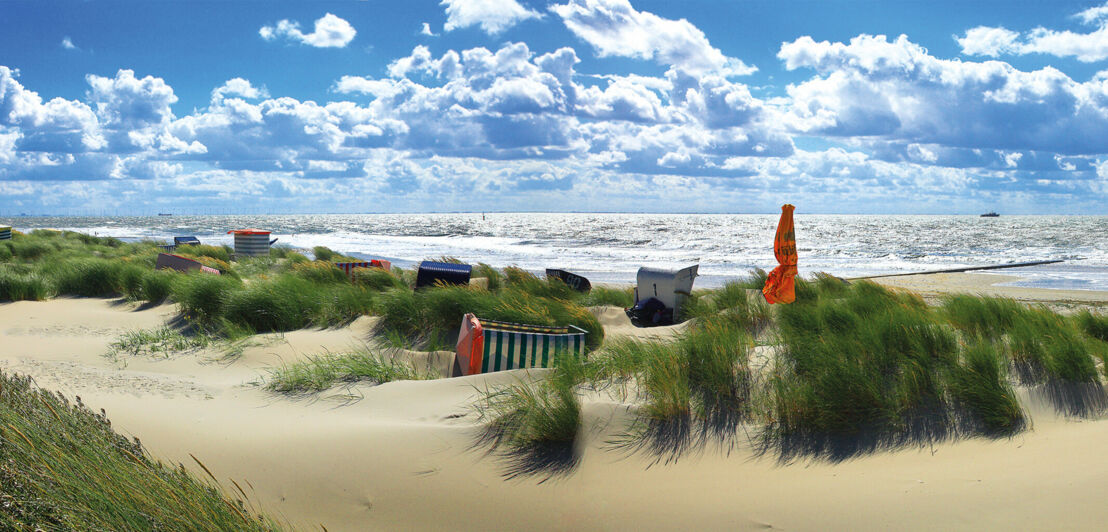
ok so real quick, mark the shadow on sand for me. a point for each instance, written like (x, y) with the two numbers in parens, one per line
(668, 441)
(1073, 399)
(544, 461)
(924, 428)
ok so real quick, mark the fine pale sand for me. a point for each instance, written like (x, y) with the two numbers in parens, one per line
(401, 455)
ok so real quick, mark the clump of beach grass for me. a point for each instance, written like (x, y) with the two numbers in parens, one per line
(977, 381)
(377, 279)
(527, 282)
(285, 303)
(323, 253)
(869, 361)
(991, 317)
(318, 373)
(536, 411)
(66, 469)
(202, 296)
(319, 271)
(605, 295)
(1095, 326)
(719, 374)
(161, 341)
(734, 301)
(23, 286)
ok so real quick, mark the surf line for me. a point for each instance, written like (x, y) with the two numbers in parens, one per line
(959, 270)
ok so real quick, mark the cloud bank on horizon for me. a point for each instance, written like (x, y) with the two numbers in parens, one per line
(604, 105)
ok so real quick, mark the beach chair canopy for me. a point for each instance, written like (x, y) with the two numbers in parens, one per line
(671, 287)
(574, 281)
(186, 241)
(486, 345)
(448, 273)
(5, 233)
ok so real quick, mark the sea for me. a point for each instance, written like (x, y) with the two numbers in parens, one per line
(610, 248)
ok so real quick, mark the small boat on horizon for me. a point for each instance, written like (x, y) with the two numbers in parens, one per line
(165, 214)
(990, 215)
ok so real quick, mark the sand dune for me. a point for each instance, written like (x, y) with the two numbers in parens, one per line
(401, 455)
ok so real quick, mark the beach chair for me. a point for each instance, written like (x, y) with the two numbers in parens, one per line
(349, 267)
(167, 261)
(251, 242)
(574, 281)
(5, 233)
(670, 287)
(431, 272)
(186, 241)
(485, 346)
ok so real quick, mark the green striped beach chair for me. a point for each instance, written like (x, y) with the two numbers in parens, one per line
(5, 233)
(516, 346)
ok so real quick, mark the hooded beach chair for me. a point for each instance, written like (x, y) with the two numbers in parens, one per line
(5, 233)
(181, 264)
(431, 272)
(574, 281)
(670, 287)
(186, 241)
(486, 345)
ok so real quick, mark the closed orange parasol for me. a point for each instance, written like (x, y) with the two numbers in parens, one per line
(779, 284)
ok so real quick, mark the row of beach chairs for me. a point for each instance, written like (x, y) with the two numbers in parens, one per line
(487, 345)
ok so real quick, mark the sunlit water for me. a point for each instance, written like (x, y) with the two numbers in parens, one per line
(611, 247)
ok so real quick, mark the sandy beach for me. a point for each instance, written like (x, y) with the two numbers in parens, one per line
(402, 455)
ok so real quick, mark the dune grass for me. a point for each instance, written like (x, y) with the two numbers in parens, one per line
(160, 341)
(378, 280)
(431, 317)
(852, 361)
(871, 360)
(1093, 325)
(23, 286)
(319, 373)
(978, 382)
(65, 469)
(534, 413)
(604, 295)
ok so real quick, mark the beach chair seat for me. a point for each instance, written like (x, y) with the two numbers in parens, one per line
(431, 272)
(485, 346)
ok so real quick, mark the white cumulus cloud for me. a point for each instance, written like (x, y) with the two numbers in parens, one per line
(493, 16)
(615, 28)
(1086, 47)
(896, 91)
(330, 32)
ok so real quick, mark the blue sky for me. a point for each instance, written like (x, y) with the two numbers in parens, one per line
(573, 105)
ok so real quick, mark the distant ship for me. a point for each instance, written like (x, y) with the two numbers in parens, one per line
(171, 214)
(990, 215)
